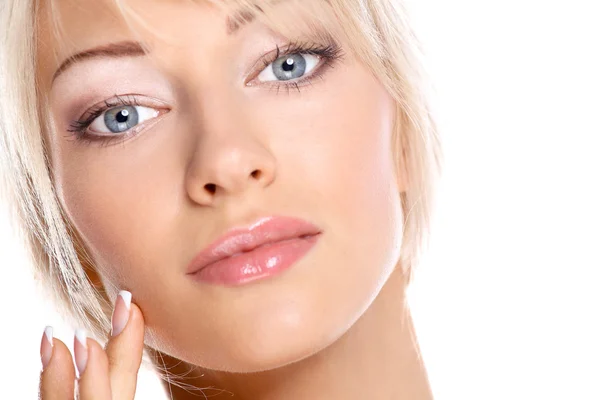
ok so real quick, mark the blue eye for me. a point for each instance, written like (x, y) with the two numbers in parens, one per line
(122, 118)
(291, 66)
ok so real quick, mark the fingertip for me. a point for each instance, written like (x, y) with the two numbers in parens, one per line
(57, 379)
(136, 315)
(125, 353)
(97, 354)
(61, 357)
(94, 381)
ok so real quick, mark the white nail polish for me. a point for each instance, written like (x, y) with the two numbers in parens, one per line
(81, 356)
(49, 335)
(81, 337)
(45, 350)
(121, 316)
(126, 296)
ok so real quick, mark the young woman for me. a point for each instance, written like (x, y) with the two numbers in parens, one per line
(237, 190)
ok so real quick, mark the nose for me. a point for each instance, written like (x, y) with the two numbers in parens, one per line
(228, 160)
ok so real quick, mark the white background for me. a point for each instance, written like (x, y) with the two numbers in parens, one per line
(506, 302)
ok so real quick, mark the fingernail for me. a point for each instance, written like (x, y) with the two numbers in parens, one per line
(121, 312)
(46, 347)
(80, 350)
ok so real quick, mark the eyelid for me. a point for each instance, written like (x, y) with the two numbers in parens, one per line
(101, 140)
(120, 100)
(158, 113)
(292, 48)
(80, 129)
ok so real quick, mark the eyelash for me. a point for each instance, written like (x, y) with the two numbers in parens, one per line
(79, 127)
(328, 55)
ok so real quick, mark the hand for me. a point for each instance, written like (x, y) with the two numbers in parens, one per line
(104, 374)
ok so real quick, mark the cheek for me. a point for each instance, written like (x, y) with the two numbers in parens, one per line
(339, 149)
(338, 157)
(121, 210)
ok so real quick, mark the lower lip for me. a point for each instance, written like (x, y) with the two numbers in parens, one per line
(260, 263)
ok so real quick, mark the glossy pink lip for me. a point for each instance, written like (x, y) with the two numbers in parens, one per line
(246, 254)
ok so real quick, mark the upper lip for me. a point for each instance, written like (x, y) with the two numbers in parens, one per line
(244, 239)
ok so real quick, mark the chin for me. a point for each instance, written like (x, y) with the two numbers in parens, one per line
(274, 342)
(257, 358)
(262, 335)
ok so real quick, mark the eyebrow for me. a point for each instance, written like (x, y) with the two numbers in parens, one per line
(111, 50)
(136, 49)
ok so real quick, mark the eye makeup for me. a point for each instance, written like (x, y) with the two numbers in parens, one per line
(122, 106)
(80, 128)
(328, 55)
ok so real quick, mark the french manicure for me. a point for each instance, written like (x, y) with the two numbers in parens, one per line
(46, 347)
(80, 350)
(121, 312)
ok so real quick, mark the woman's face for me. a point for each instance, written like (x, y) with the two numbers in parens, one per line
(203, 133)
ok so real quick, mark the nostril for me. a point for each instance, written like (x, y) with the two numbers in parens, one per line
(211, 187)
(256, 174)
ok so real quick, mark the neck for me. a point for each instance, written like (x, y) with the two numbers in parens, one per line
(378, 357)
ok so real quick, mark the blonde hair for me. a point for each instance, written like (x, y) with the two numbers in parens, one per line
(381, 38)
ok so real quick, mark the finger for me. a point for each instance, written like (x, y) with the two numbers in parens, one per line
(57, 380)
(92, 365)
(125, 348)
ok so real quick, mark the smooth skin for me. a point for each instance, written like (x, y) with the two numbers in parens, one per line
(110, 374)
(227, 149)
(221, 155)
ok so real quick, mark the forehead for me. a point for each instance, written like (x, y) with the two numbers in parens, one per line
(67, 27)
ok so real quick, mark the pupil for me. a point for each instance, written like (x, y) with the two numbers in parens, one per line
(122, 116)
(288, 65)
